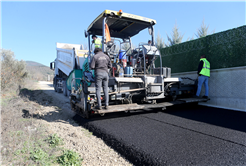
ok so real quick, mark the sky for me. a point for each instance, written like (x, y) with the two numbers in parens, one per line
(31, 29)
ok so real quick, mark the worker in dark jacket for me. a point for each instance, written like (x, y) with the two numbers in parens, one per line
(204, 75)
(101, 63)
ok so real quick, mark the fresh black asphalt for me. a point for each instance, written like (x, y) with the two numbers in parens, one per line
(180, 135)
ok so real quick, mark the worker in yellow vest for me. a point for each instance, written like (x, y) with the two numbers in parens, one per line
(97, 42)
(204, 75)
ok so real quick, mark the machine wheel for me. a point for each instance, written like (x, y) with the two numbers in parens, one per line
(127, 112)
(68, 92)
(73, 106)
(87, 115)
(174, 97)
(58, 89)
(55, 88)
(64, 88)
(54, 84)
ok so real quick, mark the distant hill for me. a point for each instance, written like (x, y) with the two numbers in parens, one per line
(32, 63)
(38, 71)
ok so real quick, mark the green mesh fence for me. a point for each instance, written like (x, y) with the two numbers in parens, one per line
(223, 50)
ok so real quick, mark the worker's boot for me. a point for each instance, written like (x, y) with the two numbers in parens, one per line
(106, 107)
(98, 107)
(205, 97)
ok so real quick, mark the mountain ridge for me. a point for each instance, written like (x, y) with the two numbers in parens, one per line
(33, 63)
(38, 71)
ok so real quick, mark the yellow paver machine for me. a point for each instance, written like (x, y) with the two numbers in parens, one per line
(137, 79)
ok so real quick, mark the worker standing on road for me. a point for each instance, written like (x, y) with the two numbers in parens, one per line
(101, 63)
(97, 41)
(204, 75)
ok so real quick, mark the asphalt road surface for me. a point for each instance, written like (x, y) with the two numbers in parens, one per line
(180, 135)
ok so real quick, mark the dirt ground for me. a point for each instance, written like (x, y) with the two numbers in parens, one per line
(92, 149)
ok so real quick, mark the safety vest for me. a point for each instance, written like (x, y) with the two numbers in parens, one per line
(98, 43)
(206, 67)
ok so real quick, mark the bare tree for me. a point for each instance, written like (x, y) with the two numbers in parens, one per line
(192, 38)
(203, 30)
(126, 46)
(176, 36)
(160, 43)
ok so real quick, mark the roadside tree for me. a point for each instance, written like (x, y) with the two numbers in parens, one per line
(176, 36)
(13, 72)
(160, 43)
(203, 30)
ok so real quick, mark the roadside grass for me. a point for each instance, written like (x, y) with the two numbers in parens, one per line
(6, 97)
(87, 132)
(25, 140)
(69, 157)
(54, 140)
(4, 101)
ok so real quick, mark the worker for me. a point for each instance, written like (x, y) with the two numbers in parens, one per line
(147, 60)
(149, 43)
(101, 63)
(97, 41)
(203, 76)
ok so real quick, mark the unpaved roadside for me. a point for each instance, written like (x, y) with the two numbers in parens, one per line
(57, 117)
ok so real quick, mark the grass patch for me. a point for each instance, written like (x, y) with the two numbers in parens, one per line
(69, 157)
(41, 157)
(24, 120)
(54, 140)
(87, 132)
(39, 152)
(4, 102)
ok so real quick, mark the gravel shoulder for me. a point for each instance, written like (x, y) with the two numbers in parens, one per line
(58, 118)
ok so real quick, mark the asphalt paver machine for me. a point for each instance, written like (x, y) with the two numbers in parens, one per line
(137, 79)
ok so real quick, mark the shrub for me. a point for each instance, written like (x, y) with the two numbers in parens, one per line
(54, 140)
(39, 155)
(69, 158)
(13, 72)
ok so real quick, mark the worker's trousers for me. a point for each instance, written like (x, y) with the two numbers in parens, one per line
(202, 80)
(102, 81)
